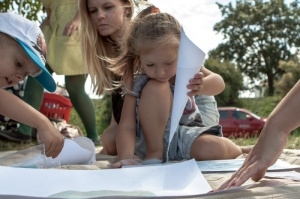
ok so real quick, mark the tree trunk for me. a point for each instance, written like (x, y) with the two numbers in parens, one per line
(271, 85)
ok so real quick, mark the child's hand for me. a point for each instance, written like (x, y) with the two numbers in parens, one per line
(52, 139)
(195, 85)
(127, 162)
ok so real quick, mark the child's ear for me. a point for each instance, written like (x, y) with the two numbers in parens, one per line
(127, 12)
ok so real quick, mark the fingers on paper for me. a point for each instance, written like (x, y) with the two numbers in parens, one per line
(237, 179)
(241, 176)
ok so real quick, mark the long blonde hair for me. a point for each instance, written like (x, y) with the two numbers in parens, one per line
(96, 49)
(146, 33)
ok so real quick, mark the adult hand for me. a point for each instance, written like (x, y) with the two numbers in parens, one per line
(263, 155)
(253, 167)
(195, 85)
(71, 27)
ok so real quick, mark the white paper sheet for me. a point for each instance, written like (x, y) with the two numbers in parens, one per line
(190, 60)
(233, 165)
(81, 150)
(292, 175)
(178, 179)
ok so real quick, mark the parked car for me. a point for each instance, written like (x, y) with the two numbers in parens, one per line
(239, 122)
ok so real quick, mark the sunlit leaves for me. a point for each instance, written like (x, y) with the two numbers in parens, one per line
(258, 35)
(28, 8)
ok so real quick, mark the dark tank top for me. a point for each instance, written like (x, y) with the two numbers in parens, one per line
(117, 104)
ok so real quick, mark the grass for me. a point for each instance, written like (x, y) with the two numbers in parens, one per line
(293, 143)
(261, 107)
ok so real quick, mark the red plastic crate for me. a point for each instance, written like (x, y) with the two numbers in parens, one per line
(56, 106)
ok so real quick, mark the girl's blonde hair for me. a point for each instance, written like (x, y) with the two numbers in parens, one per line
(145, 34)
(96, 49)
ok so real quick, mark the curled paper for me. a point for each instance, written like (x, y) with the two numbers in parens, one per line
(81, 150)
(190, 60)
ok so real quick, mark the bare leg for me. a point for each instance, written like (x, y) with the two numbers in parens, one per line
(211, 147)
(246, 149)
(108, 139)
(154, 109)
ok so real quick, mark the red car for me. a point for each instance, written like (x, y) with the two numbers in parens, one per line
(238, 122)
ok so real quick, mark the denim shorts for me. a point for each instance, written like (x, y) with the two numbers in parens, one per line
(180, 146)
(207, 106)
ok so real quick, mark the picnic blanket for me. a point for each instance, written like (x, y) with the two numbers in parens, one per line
(265, 188)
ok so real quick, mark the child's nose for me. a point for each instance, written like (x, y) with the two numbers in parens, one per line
(160, 71)
(21, 76)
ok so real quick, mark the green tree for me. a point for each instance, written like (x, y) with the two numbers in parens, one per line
(232, 77)
(290, 77)
(27, 8)
(258, 34)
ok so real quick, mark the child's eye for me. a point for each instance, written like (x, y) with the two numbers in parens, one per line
(19, 65)
(149, 65)
(169, 63)
(108, 7)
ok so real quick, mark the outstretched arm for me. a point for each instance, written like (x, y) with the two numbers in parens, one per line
(283, 119)
(125, 138)
(16, 109)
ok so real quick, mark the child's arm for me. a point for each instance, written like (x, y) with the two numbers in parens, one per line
(125, 138)
(206, 82)
(16, 109)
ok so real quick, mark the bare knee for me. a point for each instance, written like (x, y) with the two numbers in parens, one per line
(156, 98)
(156, 91)
(108, 140)
(210, 147)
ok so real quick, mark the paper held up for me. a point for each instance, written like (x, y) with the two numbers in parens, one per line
(190, 60)
(81, 150)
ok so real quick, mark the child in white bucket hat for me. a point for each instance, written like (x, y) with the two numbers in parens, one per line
(22, 53)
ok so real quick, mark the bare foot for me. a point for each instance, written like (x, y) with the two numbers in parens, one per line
(246, 149)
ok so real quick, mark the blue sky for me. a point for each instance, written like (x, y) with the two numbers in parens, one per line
(198, 18)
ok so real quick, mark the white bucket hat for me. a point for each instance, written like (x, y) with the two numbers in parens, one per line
(28, 34)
